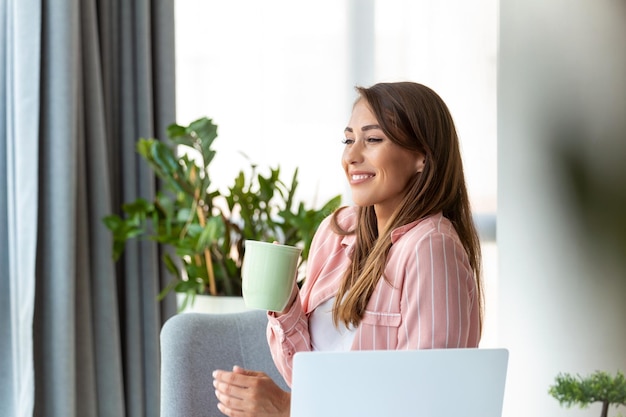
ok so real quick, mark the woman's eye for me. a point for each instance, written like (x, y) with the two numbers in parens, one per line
(349, 141)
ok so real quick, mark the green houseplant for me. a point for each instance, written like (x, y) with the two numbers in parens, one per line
(597, 387)
(203, 230)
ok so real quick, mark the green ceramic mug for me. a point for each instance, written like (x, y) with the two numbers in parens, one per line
(268, 272)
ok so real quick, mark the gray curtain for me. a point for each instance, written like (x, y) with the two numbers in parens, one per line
(102, 72)
(19, 87)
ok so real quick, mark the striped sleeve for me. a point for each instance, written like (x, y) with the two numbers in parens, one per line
(437, 295)
(287, 335)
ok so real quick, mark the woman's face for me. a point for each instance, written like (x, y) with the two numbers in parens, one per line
(378, 170)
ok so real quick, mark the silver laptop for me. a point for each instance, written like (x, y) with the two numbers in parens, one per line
(415, 383)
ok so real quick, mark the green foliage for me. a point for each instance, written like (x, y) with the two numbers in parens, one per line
(202, 229)
(598, 387)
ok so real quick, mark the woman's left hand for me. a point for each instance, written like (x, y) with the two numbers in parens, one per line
(245, 393)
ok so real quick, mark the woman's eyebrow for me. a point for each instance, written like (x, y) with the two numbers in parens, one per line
(364, 128)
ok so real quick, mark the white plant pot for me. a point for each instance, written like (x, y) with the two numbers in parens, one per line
(212, 304)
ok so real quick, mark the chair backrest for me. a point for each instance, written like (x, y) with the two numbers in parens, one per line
(195, 344)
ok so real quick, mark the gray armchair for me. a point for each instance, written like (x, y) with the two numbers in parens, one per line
(194, 344)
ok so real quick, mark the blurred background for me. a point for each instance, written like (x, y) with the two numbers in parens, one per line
(561, 195)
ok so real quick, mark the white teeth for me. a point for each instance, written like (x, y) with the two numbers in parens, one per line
(360, 177)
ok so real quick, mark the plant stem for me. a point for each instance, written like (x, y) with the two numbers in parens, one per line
(207, 254)
(605, 409)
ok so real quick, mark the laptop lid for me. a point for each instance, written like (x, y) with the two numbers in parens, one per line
(421, 383)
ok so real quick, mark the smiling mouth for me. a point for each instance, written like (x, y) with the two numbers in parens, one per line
(361, 177)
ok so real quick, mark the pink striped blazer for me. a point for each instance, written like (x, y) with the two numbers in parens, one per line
(429, 299)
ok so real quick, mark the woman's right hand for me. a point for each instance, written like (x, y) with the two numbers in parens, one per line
(245, 393)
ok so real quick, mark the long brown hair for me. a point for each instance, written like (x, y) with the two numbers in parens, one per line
(414, 117)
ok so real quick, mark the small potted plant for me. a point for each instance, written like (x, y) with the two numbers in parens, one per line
(597, 387)
(203, 229)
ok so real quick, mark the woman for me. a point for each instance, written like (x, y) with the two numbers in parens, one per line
(401, 269)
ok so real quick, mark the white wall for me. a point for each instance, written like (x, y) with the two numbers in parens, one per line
(562, 305)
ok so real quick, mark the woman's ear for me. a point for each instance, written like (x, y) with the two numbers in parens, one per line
(420, 163)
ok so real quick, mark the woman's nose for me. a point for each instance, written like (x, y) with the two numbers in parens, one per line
(353, 153)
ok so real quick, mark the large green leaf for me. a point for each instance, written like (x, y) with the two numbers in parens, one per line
(210, 233)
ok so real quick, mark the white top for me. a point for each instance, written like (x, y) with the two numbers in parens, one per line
(324, 335)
